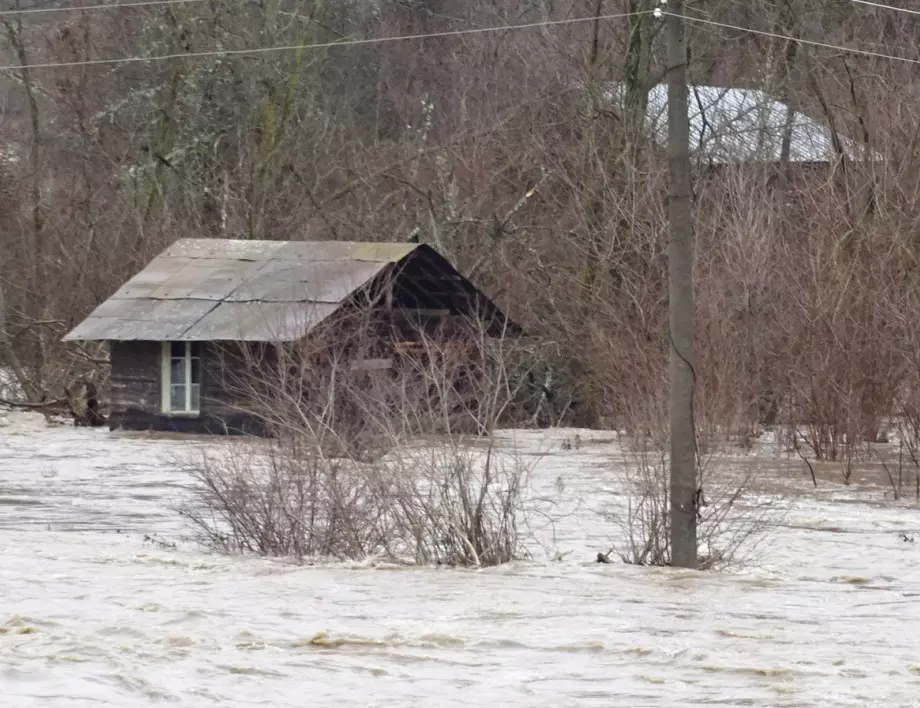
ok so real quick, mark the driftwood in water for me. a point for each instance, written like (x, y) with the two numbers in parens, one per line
(52, 407)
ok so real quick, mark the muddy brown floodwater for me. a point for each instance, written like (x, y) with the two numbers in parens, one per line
(91, 614)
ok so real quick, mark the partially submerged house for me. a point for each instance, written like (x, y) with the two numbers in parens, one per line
(168, 325)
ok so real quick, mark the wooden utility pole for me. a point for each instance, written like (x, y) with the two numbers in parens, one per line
(680, 297)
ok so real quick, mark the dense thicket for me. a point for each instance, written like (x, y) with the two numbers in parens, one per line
(503, 151)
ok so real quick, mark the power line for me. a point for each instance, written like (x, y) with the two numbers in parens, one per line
(886, 7)
(321, 45)
(432, 35)
(90, 8)
(152, 3)
(799, 40)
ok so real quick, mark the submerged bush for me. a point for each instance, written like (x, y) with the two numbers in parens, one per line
(730, 522)
(442, 504)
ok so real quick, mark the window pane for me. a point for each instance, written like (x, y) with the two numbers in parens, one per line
(196, 370)
(197, 348)
(195, 397)
(177, 371)
(177, 349)
(177, 397)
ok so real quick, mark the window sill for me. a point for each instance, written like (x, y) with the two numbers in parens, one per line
(181, 414)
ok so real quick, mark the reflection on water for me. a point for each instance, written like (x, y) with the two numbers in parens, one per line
(91, 614)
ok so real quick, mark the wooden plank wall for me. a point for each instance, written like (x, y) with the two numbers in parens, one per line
(136, 395)
(135, 377)
(136, 371)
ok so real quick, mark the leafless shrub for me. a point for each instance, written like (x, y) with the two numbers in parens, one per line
(455, 504)
(273, 499)
(344, 474)
(444, 503)
(730, 520)
(644, 524)
(899, 474)
(907, 427)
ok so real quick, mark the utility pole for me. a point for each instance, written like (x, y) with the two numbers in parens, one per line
(680, 297)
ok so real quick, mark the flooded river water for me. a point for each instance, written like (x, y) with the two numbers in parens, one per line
(98, 609)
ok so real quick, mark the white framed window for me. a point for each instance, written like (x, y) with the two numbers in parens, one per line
(181, 378)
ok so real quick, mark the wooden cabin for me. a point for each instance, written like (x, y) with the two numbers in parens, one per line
(169, 327)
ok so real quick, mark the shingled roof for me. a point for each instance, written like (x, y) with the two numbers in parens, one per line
(223, 290)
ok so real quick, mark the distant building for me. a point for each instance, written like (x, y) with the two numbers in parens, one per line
(734, 125)
(168, 325)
